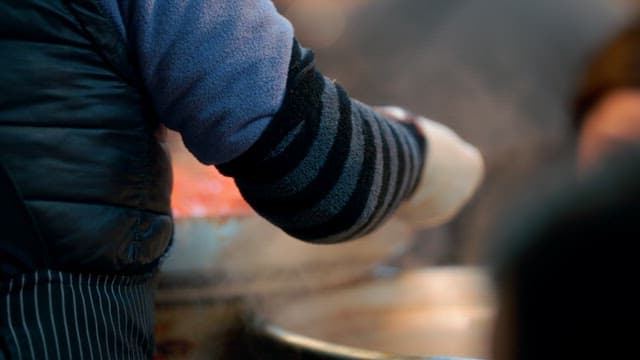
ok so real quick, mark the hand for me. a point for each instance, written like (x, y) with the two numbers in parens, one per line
(452, 172)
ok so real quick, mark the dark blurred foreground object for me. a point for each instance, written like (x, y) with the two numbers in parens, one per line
(566, 272)
(607, 104)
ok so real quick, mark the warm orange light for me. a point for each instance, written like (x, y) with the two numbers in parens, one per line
(201, 191)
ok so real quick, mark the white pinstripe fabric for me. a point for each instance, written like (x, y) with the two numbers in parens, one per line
(117, 344)
(95, 318)
(25, 325)
(75, 317)
(64, 316)
(51, 313)
(55, 315)
(10, 321)
(125, 339)
(104, 320)
(86, 320)
(104, 323)
(37, 309)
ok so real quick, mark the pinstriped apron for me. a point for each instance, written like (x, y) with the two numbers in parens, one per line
(56, 315)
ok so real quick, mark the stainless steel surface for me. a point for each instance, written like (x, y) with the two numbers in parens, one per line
(444, 311)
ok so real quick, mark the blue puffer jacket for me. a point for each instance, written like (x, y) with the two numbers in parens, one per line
(77, 137)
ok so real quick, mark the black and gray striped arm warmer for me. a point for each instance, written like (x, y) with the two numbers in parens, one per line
(327, 168)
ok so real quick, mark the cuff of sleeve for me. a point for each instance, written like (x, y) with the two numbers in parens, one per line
(452, 173)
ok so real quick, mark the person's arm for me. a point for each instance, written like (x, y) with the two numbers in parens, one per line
(327, 168)
(230, 78)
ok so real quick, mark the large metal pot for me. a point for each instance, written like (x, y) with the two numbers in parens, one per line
(224, 256)
(442, 311)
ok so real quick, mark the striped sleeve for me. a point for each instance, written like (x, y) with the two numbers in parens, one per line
(327, 168)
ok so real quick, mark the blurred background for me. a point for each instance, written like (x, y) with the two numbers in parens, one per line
(501, 73)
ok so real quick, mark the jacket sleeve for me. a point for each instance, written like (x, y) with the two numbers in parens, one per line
(213, 70)
(327, 168)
